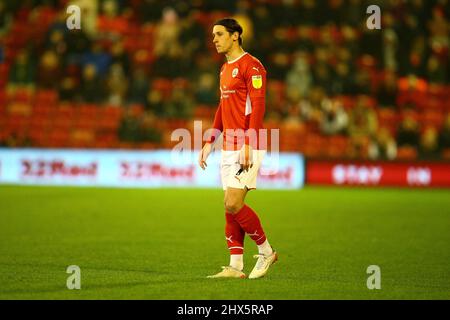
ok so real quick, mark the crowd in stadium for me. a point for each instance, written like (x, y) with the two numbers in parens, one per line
(336, 88)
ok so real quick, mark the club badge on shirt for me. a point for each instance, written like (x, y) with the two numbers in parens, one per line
(234, 72)
(257, 81)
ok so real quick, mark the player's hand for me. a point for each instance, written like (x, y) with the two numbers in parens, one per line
(203, 155)
(246, 157)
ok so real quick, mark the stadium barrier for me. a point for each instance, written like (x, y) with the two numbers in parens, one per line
(120, 168)
(396, 174)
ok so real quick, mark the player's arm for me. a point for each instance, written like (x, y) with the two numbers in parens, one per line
(214, 134)
(256, 87)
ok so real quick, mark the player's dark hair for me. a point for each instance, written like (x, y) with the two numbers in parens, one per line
(232, 26)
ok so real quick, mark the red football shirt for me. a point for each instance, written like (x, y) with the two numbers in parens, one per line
(242, 102)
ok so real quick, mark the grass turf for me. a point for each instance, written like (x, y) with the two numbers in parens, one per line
(161, 243)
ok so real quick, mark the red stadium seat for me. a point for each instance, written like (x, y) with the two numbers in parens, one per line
(82, 138)
(204, 112)
(446, 154)
(46, 97)
(43, 110)
(20, 108)
(432, 118)
(111, 112)
(137, 110)
(406, 153)
(337, 147)
(389, 119)
(38, 138)
(22, 95)
(163, 85)
(59, 138)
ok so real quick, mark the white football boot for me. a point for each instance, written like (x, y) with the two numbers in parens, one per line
(263, 264)
(229, 272)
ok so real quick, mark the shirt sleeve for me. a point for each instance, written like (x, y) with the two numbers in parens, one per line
(256, 88)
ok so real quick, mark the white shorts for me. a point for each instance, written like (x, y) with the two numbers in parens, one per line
(231, 174)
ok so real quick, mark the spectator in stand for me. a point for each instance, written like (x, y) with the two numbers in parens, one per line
(139, 87)
(78, 43)
(362, 127)
(68, 89)
(167, 47)
(435, 72)
(242, 15)
(438, 40)
(150, 10)
(49, 70)
(444, 135)
(99, 58)
(334, 119)
(148, 131)
(323, 77)
(309, 12)
(280, 65)
(57, 43)
(206, 90)
(383, 146)
(429, 144)
(408, 132)
(414, 62)
(191, 38)
(336, 12)
(180, 105)
(89, 19)
(390, 43)
(311, 109)
(22, 71)
(305, 41)
(387, 91)
(293, 108)
(5, 18)
(92, 88)
(362, 83)
(119, 56)
(286, 13)
(342, 82)
(261, 17)
(129, 128)
(155, 103)
(354, 13)
(116, 85)
(300, 76)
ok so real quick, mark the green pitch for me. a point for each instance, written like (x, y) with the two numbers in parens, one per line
(161, 244)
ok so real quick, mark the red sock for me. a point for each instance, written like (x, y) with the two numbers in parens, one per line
(249, 221)
(234, 235)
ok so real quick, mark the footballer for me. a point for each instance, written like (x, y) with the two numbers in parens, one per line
(239, 118)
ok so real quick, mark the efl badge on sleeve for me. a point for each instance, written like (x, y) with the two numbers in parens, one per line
(257, 81)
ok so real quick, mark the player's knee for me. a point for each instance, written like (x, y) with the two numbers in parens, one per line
(233, 206)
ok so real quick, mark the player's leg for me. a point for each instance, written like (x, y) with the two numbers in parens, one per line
(234, 236)
(247, 218)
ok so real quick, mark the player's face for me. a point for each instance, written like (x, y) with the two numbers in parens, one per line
(222, 39)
